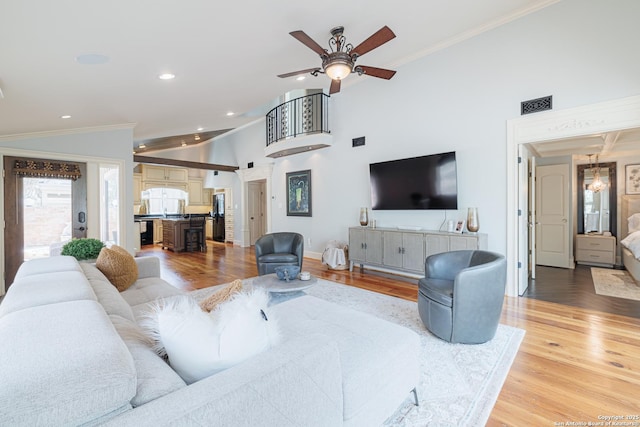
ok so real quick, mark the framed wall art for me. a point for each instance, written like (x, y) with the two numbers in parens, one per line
(632, 179)
(299, 193)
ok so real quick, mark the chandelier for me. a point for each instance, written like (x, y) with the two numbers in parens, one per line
(596, 185)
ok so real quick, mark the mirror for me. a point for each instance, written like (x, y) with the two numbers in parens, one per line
(597, 201)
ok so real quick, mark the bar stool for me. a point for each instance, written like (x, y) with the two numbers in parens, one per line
(194, 235)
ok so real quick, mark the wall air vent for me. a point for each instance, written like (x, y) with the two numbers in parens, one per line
(536, 105)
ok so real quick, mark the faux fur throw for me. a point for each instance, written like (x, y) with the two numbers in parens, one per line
(209, 304)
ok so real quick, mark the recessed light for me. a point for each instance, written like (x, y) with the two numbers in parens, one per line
(230, 113)
(167, 76)
(66, 116)
(197, 137)
(184, 144)
(300, 78)
(142, 146)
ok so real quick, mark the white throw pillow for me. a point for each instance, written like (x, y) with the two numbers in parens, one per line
(632, 242)
(634, 223)
(199, 344)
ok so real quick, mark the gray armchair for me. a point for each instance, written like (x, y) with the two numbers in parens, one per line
(276, 249)
(460, 298)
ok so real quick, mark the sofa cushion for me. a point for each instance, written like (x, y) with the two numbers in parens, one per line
(108, 296)
(46, 288)
(379, 359)
(63, 362)
(148, 290)
(47, 265)
(119, 267)
(154, 376)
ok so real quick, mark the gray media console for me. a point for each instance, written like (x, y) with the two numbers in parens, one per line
(405, 250)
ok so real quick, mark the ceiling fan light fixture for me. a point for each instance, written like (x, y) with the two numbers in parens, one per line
(338, 65)
(337, 71)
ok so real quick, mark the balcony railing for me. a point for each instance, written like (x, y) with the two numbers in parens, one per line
(301, 116)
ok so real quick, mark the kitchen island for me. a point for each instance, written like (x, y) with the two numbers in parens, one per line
(173, 234)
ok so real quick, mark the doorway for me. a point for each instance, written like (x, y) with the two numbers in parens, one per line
(580, 125)
(45, 204)
(553, 232)
(257, 205)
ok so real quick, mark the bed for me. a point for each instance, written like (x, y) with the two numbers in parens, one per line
(630, 206)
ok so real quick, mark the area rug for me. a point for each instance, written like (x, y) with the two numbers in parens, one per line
(615, 283)
(459, 383)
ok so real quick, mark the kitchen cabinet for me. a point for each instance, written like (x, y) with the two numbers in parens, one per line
(137, 188)
(159, 184)
(208, 228)
(157, 231)
(195, 192)
(173, 233)
(207, 196)
(163, 173)
(405, 251)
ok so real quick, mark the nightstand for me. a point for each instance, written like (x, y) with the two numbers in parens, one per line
(596, 249)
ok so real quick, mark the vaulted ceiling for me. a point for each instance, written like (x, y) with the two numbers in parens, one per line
(99, 62)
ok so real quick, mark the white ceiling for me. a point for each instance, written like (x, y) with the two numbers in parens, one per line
(611, 144)
(226, 55)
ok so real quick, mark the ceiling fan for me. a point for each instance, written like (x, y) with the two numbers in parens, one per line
(340, 61)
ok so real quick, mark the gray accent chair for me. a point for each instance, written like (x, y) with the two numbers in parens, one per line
(276, 249)
(460, 298)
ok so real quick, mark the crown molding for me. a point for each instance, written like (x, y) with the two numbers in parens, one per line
(48, 134)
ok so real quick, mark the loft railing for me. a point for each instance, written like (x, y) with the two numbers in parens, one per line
(301, 116)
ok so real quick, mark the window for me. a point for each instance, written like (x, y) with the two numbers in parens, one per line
(109, 205)
(161, 200)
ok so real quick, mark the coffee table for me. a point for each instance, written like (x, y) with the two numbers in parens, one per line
(282, 290)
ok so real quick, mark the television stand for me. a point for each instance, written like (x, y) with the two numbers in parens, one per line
(405, 250)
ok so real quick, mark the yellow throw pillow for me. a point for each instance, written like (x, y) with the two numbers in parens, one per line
(119, 266)
(209, 304)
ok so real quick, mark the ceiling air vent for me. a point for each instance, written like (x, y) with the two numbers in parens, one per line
(536, 105)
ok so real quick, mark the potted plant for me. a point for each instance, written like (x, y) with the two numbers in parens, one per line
(83, 249)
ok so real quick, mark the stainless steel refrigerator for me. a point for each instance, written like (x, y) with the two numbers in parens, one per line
(218, 217)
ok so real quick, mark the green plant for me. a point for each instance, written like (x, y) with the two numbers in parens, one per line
(82, 249)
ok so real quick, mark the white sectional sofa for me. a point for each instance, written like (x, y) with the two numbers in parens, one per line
(69, 355)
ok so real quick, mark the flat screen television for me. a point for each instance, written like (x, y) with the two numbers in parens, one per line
(426, 182)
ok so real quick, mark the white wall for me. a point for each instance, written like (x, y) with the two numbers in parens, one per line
(90, 145)
(457, 99)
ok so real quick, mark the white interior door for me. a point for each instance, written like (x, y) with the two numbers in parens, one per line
(532, 218)
(256, 209)
(552, 214)
(523, 218)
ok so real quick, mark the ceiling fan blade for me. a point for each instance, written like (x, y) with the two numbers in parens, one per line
(376, 72)
(303, 38)
(379, 38)
(335, 87)
(296, 73)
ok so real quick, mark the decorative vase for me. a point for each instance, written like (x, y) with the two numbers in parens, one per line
(364, 217)
(473, 223)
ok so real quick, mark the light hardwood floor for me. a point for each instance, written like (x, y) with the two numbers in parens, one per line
(574, 364)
